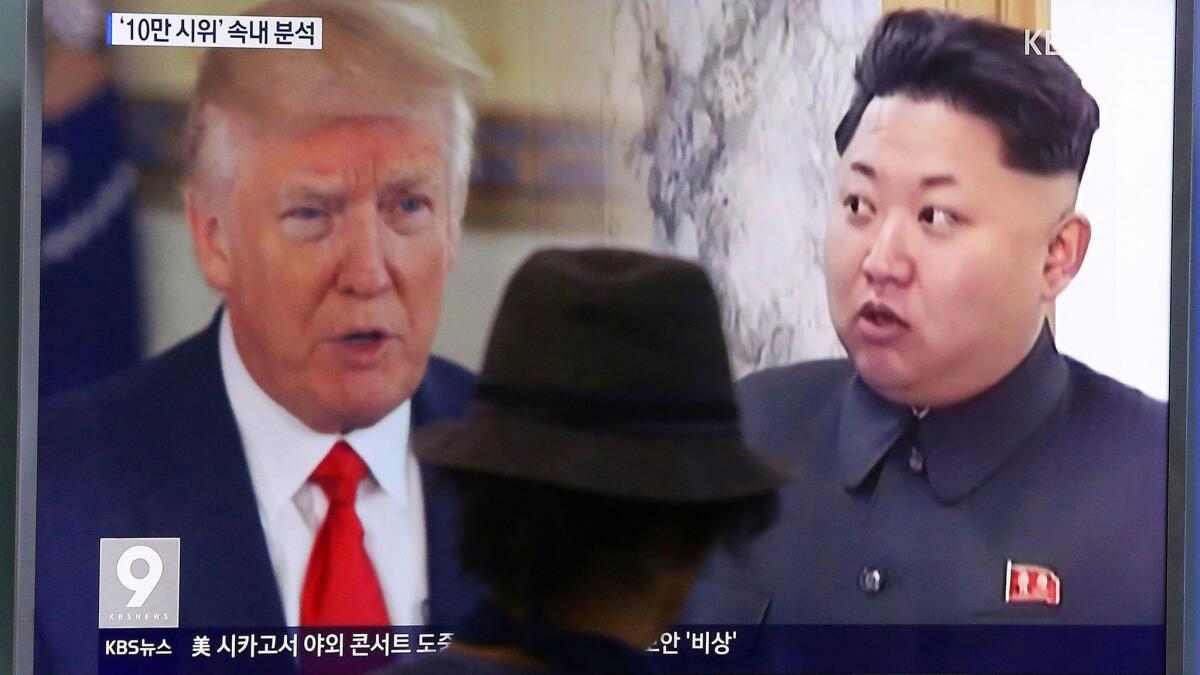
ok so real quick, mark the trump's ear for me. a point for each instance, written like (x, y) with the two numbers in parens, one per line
(210, 239)
(453, 237)
(1065, 254)
(452, 252)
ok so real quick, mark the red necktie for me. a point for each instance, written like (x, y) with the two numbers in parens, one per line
(340, 586)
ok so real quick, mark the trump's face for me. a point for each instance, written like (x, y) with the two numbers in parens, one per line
(941, 261)
(331, 252)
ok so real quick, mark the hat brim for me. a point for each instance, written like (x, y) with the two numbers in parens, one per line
(621, 465)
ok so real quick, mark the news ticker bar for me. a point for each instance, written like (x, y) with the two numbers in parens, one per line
(830, 649)
(357, 644)
(212, 30)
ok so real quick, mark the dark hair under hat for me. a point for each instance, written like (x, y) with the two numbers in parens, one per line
(606, 372)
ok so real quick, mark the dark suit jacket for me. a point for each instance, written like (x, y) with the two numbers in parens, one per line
(1056, 465)
(155, 452)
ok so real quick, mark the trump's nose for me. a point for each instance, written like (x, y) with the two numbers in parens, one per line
(363, 271)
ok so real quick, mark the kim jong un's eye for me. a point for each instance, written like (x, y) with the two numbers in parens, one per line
(937, 219)
(858, 209)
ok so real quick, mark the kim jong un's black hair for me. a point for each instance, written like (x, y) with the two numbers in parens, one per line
(1043, 114)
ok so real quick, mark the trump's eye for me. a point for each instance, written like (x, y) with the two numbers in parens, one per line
(405, 204)
(306, 223)
(857, 208)
(406, 212)
(305, 213)
(938, 219)
(412, 204)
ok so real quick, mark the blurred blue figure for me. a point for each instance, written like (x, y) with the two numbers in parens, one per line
(90, 323)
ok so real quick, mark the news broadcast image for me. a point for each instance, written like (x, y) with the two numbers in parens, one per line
(813, 336)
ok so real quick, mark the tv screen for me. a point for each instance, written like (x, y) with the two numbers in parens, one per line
(949, 244)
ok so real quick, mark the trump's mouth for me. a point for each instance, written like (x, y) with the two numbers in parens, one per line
(365, 337)
(363, 348)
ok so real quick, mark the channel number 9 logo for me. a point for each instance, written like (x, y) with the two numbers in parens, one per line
(139, 583)
(142, 587)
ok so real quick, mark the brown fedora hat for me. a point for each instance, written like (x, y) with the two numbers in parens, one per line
(606, 372)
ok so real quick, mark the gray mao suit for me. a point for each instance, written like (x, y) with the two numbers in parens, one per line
(895, 519)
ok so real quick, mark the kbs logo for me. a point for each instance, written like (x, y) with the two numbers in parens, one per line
(139, 583)
(1037, 42)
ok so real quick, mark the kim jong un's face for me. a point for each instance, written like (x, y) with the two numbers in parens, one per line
(941, 261)
(331, 260)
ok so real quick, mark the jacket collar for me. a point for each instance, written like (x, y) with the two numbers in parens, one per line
(206, 498)
(962, 444)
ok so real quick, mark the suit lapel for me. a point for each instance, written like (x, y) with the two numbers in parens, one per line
(205, 498)
(452, 594)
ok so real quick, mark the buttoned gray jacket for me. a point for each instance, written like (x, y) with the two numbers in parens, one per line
(895, 519)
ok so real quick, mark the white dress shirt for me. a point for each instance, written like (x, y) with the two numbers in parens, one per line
(282, 453)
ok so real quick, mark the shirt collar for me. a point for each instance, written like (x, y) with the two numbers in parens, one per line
(282, 451)
(962, 444)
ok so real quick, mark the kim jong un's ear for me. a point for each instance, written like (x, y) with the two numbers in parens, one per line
(1065, 252)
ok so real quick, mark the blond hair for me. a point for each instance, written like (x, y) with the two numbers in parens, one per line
(379, 59)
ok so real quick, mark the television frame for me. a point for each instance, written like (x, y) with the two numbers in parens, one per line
(21, 329)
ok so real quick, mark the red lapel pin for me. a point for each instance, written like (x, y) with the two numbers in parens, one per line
(1032, 584)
